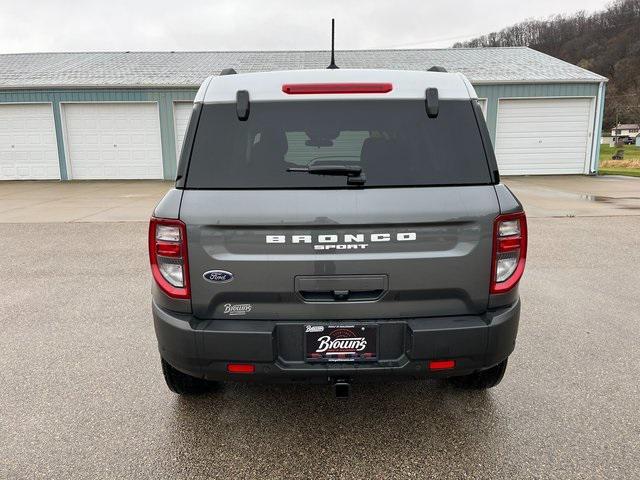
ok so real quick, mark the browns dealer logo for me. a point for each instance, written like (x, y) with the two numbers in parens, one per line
(342, 340)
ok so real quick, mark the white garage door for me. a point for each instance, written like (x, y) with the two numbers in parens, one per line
(181, 115)
(113, 140)
(28, 149)
(543, 136)
(483, 105)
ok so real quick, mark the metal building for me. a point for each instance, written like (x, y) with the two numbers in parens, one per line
(122, 115)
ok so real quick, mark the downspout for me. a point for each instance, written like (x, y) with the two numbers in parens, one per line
(597, 130)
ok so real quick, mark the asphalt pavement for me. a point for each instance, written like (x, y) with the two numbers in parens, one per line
(82, 395)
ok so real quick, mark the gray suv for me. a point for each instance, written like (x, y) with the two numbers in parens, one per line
(336, 226)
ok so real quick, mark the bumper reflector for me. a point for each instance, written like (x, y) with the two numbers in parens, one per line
(441, 365)
(240, 368)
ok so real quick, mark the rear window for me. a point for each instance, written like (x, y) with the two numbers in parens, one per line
(393, 141)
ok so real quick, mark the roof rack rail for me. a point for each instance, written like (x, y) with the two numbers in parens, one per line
(228, 71)
(437, 68)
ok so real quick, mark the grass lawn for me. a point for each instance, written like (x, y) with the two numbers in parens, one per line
(631, 172)
(630, 165)
(631, 152)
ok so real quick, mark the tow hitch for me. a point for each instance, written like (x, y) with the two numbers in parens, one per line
(342, 389)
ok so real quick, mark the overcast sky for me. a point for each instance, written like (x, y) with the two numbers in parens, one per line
(85, 25)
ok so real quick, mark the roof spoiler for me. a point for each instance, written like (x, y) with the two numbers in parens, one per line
(431, 102)
(437, 68)
(242, 105)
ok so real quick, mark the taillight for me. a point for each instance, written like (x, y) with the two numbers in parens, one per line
(168, 256)
(329, 88)
(509, 251)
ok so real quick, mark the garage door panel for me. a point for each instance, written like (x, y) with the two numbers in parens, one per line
(124, 138)
(542, 158)
(113, 140)
(138, 139)
(532, 125)
(540, 164)
(28, 147)
(566, 125)
(543, 132)
(34, 140)
(542, 111)
(548, 103)
(543, 136)
(124, 156)
(573, 158)
(181, 115)
(549, 145)
(545, 171)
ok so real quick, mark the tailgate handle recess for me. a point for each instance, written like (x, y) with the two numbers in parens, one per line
(346, 288)
(341, 295)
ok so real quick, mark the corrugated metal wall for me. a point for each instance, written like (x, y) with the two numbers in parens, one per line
(166, 97)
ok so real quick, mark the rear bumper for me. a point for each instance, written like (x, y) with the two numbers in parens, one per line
(203, 348)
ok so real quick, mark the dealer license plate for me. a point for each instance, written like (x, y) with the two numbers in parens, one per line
(341, 343)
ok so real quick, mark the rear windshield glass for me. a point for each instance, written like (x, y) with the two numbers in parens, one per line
(392, 141)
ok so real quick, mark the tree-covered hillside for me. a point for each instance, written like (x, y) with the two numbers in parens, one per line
(606, 42)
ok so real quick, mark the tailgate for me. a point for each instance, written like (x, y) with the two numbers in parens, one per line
(339, 254)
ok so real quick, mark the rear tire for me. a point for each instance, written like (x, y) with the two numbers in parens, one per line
(184, 384)
(481, 380)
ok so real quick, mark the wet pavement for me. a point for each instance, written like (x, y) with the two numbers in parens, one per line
(577, 195)
(82, 394)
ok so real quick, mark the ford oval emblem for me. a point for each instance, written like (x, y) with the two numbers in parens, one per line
(218, 276)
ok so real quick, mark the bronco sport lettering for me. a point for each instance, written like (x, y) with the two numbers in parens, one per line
(350, 241)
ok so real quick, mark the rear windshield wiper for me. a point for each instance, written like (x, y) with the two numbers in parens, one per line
(352, 172)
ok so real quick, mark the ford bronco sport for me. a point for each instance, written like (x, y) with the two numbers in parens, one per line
(336, 226)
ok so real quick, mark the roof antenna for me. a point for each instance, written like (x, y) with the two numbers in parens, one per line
(332, 65)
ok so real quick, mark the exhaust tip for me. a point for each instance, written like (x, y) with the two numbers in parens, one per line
(342, 390)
